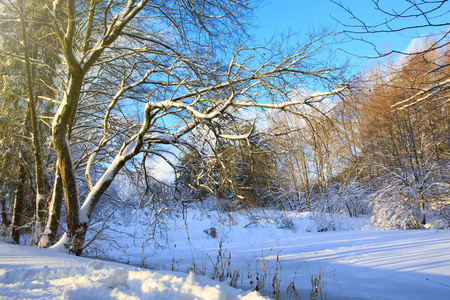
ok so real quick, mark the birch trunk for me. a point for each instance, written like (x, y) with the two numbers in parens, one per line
(54, 213)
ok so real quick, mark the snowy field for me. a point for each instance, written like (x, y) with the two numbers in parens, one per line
(349, 259)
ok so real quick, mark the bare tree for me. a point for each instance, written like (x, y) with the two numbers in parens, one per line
(424, 19)
(405, 18)
(139, 76)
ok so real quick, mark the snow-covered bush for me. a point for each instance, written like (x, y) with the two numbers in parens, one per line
(284, 222)
(403, 207)
(395, 215)
(324, 222)
(350, 199)
(391, 215)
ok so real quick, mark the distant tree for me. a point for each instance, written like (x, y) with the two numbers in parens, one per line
(304, 141)
(235, 172)
(400, 108)
(246, 168)
(191, 177)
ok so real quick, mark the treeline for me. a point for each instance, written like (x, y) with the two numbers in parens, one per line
(395, 124)
(382, 147)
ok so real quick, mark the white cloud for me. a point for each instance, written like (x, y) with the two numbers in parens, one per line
(415, 44)
(161, 170)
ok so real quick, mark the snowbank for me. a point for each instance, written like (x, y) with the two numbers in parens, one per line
(31, 273)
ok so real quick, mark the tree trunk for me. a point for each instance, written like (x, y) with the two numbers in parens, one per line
(40, 191)
(61, 123)
(5, 221)
(68, 180)
(85, 213)
(54, 212)
(18, 206)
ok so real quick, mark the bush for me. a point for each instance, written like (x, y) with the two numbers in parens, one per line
(283, 222)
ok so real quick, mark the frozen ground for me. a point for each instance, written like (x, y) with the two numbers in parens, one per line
(350, 259)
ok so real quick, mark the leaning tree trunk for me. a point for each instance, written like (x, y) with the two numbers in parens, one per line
(128, 151)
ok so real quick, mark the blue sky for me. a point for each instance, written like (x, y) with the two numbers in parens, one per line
(275, 17)
(301, 16)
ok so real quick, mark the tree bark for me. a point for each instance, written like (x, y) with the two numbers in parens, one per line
(68, 180)
(60, 127)
(54, 212)
(18, 206)
(5, 221)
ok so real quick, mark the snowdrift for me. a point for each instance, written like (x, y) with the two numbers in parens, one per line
(31, 273)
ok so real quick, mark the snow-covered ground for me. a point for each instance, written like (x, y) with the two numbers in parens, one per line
(271, 251)
(31, 273)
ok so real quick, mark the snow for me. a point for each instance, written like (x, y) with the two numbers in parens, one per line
(60, 246)
(350, 258)
(357, 261)
(32, 273)
(108, 176)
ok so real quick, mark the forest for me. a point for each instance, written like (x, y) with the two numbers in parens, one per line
(95, 93)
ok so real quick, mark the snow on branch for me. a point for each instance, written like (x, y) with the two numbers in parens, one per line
(423, 95)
